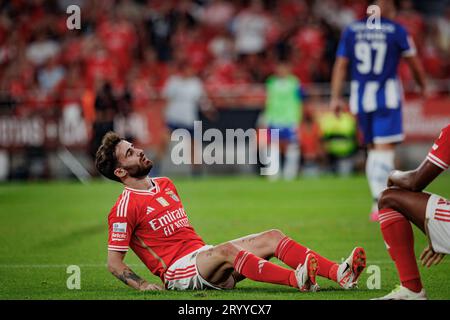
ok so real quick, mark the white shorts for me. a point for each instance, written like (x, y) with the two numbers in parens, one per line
(438, 223)
(183, 274)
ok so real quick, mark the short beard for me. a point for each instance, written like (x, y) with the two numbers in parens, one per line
(138, 171)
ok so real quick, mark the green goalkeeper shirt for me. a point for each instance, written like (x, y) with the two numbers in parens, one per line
(283, 102)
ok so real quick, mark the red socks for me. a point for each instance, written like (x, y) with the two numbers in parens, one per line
(399, 239)
(292, 254)
(258, 269)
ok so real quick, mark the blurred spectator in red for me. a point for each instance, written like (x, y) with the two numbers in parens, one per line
(310, 40)
(119, 39)
(413, 22)
(310, 144)
(192, 44)
(99, 64)
(435, 56)
(155, 71)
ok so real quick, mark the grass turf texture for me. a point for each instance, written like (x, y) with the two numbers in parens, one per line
(47, 226)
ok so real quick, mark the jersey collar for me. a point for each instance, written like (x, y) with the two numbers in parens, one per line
(154, 189)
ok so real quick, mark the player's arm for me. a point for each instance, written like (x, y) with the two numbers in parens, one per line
(415, 180)
(337, 82)
(122, 272)
(418, 72)
(409, 53)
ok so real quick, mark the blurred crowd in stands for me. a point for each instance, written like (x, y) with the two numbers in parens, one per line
(127, 49)
(135, 45)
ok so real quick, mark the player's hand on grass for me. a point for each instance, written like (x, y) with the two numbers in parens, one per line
(150, 287)
(430, 257)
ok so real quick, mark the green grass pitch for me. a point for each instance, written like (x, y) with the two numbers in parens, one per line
(47, 226)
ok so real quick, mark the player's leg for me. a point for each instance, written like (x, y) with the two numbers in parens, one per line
(276, 150)
(274, 243)
(397, 208)
(380, 162)
(412, 205)
(217, 265)
(365, 125)
(387, 131)
(292, 155)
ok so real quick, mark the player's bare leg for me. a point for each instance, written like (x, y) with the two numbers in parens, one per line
(398, 208)
(274, 243)
(217, 264)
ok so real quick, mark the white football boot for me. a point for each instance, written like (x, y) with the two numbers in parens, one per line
(403, 293)
(350, 270)
(306, 274)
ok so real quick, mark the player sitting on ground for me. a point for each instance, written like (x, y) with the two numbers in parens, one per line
(404, 202)
(149, 218)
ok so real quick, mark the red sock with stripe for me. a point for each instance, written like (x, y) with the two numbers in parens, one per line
(258, 269)
(399, 239)
(293, 253)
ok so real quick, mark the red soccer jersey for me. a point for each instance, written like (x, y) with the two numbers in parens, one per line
(439, 154)
(153, 224)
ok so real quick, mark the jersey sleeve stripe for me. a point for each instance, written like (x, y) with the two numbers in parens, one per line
(117, 248)
(436, 161)
(119, 207)
(123, 204)
(125, 209)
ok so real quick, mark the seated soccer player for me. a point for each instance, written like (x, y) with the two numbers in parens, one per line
(404, 202)
(149, 218)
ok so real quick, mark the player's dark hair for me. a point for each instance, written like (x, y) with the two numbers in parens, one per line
(105, 158)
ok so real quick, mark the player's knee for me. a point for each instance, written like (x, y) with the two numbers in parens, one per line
(388, 199)
(274, 235)
(227, 251)
(270, 240)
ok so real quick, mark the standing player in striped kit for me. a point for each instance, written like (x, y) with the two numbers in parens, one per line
(403, 203)
(149, 218)
(372, 53)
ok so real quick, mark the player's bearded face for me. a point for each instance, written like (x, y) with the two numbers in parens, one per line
(140, 169)
(136, 163)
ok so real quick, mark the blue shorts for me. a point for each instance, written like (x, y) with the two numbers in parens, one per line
(285, 133)
(381, 126)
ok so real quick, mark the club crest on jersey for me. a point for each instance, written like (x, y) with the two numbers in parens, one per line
(120, 227)
(162, 201)
(172, 194)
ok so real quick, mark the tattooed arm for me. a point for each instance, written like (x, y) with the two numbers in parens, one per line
(121, 271)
